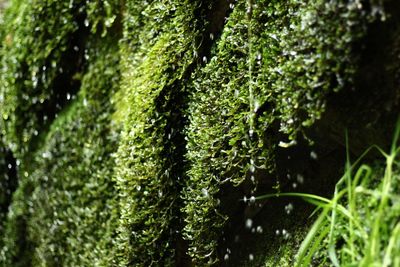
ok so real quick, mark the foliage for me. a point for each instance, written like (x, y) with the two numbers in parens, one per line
(359, 226)
(148, 173)
(268, 78)
(124, 127)
(65, 210)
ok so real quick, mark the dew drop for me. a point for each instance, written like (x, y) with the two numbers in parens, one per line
(204, 191)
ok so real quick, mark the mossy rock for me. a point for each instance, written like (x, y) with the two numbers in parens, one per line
(137, 133)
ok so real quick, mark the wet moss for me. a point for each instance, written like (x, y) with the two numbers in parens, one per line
(139, 124)
(267, 80)
(148, 173)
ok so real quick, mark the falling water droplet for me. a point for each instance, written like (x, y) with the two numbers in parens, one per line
(314, 155)
(300, 178)
(249, 223)
(289, 208)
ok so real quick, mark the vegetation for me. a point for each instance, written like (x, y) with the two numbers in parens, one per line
(130, 131)
(359, 226)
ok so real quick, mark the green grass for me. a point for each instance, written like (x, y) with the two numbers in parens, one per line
(360, 224)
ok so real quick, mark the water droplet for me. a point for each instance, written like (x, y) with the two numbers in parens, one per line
(205, 59)
(86, 22)
(251, 132)
(211, 36)
(294, 185)
(9, 166)
(252, 199)
(226, 257)
(259, 229)
(252, 168)
(300, 178)
(249, 223)
(289, 208)
(204, 191)
(251, 257)
(314, 155)
(76, 48)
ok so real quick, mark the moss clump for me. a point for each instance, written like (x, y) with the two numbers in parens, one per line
(193, 126)
(65, 210)
(268, 78)
(43, 59)
(149, 169)
(68, 189)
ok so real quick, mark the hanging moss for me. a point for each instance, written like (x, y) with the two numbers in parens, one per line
(148, 177)
(65, 209)
(139, 129)
(43, 60)
(268, 79)
(71, 193)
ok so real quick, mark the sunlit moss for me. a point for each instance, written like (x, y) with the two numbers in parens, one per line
(146, 173)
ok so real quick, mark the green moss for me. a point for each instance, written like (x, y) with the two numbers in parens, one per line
(190, 126)
(147, 176)
(267, 80)
(43, 57)
(65, 209)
